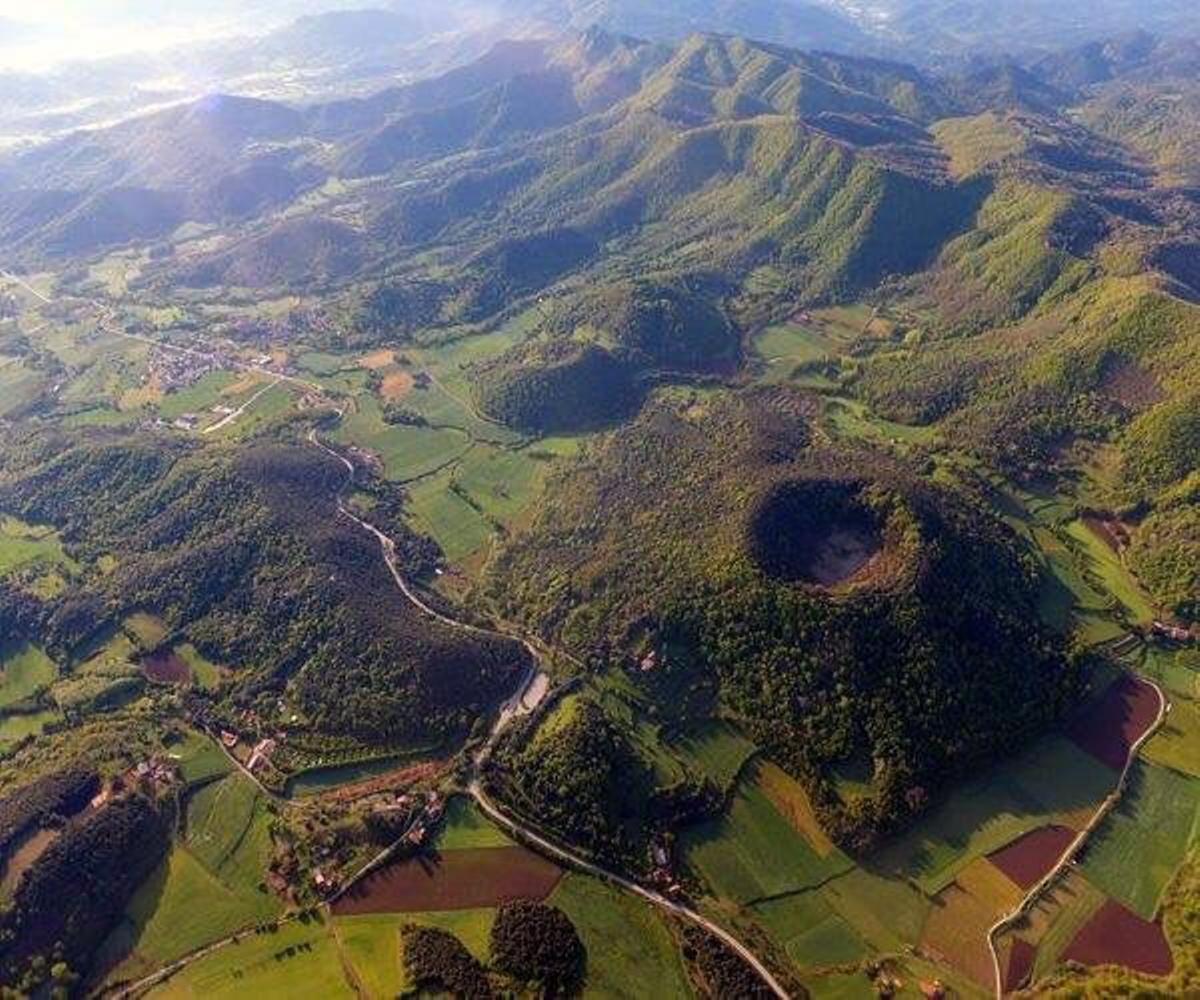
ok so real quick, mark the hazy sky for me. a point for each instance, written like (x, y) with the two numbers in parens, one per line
(66, 30)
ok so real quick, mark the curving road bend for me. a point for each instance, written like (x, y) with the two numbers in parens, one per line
(493, 811)
(1109, 803)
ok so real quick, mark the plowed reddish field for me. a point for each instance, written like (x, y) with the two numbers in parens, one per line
(1028, 858)
(454, 880)
(166, 668)
(1112, 725)
(1020, 964)
(1117, 936)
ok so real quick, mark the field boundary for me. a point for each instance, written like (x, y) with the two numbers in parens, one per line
(1109, 803)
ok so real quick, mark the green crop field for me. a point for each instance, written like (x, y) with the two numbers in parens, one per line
(446, 517)
(227, 825)
(465, 826)
(717, 750)
(407, 452)
(628, 945)
(1139, 846)
(886, 913)
(1105, 566)
(1053, 781)
(1178, 670)
(811, 934)
(198, 398)
(299, 961)
(24, 670)
(753, 852)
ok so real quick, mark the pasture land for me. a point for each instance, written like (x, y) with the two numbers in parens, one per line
(1054, 781)
(227, 829)
(14, 728)
(791, 800)
(886, 913)
(1053, 921)
(1102, 563)
(299, 961)
(205, 674)
(199, 758)
(629, 947)
(467, 879)
(465, 826)
(147, 630)
(809, 931)
(182, 906)
(446, 517)
(407, 453)
(1138, 848)
(23, 545)
(717, 750)
(370, 945)
(754, 852)
(24, 671)
(1177, 744)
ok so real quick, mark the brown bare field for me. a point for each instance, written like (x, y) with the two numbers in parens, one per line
(1031, 856)
(956, 931)
(1108, 728)
(786, 795)
(1117, 936)
(1019, 964)
(990, 885)
(377, 360)
(466, 879)
(396, 385)
(166, 667)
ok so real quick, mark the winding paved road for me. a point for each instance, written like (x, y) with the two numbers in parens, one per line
(1109, 803)
(493, 811)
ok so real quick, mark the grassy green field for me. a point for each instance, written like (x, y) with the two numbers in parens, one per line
(227, 830)
(23, 545)
(16, 727)
(464, 826)
(809, 931)
(199, 758)
(205, 674)
(198, 398)
(1105, 565)
(370, 945)
(716, 750)
(181, 907)
(1143, 841)
(1177, 744)
(446, 517)
(24, 670)
(147, 630)
(1052, 782)
(406, 452)
(886, 913)
(299, 961)
(629, 948)
(753, 852)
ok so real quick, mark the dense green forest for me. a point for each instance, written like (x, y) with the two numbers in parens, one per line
(70, 898)
(692, 532)
(241, 552)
